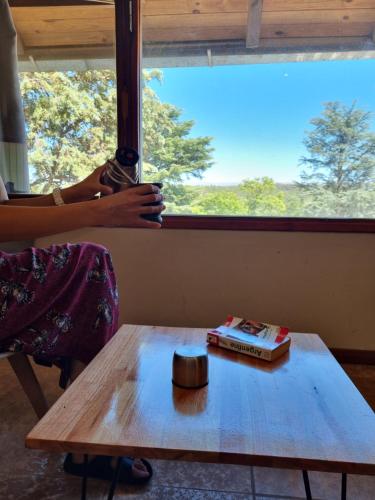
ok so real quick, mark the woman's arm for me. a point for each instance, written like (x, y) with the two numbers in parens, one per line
(123, 209)
(83, 191)
(68, 195)
(27, 223)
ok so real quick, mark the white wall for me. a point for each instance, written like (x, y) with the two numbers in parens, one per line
(311, 282)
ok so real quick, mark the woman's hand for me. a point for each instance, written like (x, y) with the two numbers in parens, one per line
(87, 189)
(124, 209)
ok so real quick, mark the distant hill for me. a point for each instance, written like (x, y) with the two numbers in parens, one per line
(235, 188)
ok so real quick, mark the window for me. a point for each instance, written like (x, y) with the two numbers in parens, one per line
(263, 113)
(257, 118)
(68, 84)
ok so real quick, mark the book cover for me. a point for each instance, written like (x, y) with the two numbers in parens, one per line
(253, 338)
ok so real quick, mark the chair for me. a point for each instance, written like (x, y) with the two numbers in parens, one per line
(27, 378)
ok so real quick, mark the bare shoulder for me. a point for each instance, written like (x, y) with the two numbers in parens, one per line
(3, 191)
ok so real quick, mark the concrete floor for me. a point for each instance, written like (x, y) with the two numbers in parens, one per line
(26, 474)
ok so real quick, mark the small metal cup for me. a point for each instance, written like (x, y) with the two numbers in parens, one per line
(190, 367)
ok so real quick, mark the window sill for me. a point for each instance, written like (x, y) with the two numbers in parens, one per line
(243, 223)
(302, 224)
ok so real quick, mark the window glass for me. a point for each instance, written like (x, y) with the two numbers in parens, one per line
(67, 71)
(262, 113)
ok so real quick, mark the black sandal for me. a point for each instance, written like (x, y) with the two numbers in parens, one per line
(100, 467)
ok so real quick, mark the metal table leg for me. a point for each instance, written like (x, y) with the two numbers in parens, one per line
(308, 490)
(307, 484)
(343, 486)
(84, 478)
(115, 479)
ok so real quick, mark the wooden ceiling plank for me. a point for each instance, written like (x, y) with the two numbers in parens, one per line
(68, 39)
(74, 12)
(102, 12)
(254, 20)
(195, 21)
(168, 7)
(211, 33)
(319, 16)
(288, 5)
(50, 3)
(298, 17)
(64, 26)
(274, 18)
(316, 30)
(272, 31)
(178, 7)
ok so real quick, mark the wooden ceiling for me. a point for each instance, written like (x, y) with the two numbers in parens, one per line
(302, 24)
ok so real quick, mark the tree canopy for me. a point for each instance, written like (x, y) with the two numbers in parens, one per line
(170, 154)
(339, 180)
(71, 125)
(263, 197)
(341, 149)
(220, 203)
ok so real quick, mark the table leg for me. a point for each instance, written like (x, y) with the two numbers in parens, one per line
(307, 484)
(115, 479)
(84, 479)
(343, 486)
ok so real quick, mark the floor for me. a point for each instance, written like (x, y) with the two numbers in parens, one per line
(26, 474)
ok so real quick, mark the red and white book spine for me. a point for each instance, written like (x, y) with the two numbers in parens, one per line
(238, 346)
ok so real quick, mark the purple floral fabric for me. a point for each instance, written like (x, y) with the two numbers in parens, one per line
(58, 303)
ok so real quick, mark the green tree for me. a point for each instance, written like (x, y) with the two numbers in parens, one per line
(71, 125)
(339, 180)
(170, 155)
(341, 149)
(321, 202)
(220, 203)
(262, 197)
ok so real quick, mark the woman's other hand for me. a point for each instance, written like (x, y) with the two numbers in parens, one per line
(124, 209)
(87, 189)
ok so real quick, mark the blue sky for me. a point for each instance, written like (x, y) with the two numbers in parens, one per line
(257, 114)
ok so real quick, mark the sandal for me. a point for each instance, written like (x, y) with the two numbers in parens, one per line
(100, 467)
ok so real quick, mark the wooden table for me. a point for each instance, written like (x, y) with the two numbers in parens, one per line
(301, 411)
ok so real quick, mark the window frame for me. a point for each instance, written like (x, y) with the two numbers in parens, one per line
(129, 48)
(129, 113)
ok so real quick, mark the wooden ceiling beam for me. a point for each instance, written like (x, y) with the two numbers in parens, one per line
(254, 21)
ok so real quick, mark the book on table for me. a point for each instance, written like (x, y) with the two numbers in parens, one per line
(253, 338)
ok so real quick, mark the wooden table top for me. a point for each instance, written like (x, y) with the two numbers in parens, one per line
(301, 411)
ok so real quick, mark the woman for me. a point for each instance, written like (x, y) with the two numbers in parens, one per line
(44, 291)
